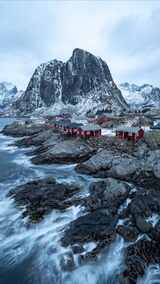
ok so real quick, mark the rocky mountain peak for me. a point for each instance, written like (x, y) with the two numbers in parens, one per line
(83, 79)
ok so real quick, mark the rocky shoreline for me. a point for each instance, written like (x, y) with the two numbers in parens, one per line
(124, 201)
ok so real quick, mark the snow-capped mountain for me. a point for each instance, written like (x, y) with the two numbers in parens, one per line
(83, 83)
(8, 94)
(141, 96)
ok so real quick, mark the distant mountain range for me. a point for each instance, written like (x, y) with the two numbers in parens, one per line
(141, 96)
(8, 95)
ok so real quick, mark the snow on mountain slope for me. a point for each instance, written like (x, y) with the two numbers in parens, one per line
(141, 96)
(8, 94)
(84, 83)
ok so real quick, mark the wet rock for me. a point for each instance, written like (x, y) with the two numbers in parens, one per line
(143, 225)
(129, 233)
(89, 256)
(156, 170)
(124, 167)
(142, 169)
(155, 233)
(146, 179)
(69, 151)
(77, 248)
(40, 197)
(99, 162)
(109, 194)
(67, 262)
(110, 164)
(94, 226)
(144, 203)
(37, 139)
(138, 257)
(92, 255)
(19, 129)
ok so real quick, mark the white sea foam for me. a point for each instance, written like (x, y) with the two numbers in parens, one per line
(152, 275)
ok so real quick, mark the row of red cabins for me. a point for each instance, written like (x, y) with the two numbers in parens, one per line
(92, 130)
(77, 129)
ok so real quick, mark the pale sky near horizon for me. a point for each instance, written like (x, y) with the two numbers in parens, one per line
(123, 33)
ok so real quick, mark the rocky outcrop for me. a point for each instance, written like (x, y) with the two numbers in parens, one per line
(68, 151)
(94, 226)
(40, 197)
(109, 163)
(97, 164)
(107, 194)
(139, 168)
(20, 129)
(83, 81)
(144, 203)
(138, 257)
(38, 139)
(99, 224)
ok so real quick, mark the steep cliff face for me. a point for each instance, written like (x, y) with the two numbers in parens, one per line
(83, 80)
(83, 73)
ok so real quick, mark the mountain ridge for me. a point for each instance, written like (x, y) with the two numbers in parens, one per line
(141, 96)
(83, 79)
(8, 94)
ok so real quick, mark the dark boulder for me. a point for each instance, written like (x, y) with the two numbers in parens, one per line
(67, 261)
(95, 226)
(143, 225)
(109, 194)
(20, 129)
(144, 203)
(138, 257)
(129, 233)
(36, 139)
(40, 197)
(68, 151)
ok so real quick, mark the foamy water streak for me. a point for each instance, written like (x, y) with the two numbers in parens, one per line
(152, 275)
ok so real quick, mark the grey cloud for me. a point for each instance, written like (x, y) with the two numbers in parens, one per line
(136, 34)
(32, 32)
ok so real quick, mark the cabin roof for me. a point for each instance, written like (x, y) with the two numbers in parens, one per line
(68, 123)
(75, 125)
(63, 122)
(91, 127)
(128, 129)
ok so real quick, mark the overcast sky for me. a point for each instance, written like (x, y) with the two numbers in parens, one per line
(124, 33)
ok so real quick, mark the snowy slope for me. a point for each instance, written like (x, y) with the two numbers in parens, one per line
(8, 94)
(141, 96)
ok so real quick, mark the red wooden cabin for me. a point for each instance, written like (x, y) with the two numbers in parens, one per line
(72, 128)
(130, 133)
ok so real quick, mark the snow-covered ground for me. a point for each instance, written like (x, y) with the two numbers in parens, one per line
(8, 94)
(108, 132)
